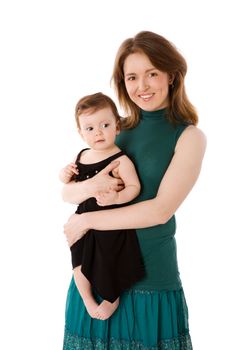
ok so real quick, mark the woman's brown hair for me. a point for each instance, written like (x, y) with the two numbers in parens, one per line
(93, 103)
(165, 57)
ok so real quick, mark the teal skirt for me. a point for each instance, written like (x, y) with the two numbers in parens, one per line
(144, 320)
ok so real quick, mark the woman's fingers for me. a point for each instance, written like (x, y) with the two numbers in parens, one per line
(74, 229)
(69, 237)
(110, 167)
(118, 186)
(117, 183)
(103, 182)
(70, 230)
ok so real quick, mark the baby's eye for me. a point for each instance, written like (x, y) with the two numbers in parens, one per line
(89, 128)
(105, 125)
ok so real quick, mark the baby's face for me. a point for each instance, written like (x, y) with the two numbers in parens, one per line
(99, 129)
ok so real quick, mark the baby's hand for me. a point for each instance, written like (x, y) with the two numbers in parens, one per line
(107, 198)
(67, 172)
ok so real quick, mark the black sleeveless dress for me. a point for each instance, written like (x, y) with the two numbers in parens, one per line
(110, 260)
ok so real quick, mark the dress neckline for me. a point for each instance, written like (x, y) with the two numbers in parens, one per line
(157, 115)
(110, 158)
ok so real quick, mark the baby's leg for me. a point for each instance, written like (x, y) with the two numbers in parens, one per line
(84, 288)
(106, 309)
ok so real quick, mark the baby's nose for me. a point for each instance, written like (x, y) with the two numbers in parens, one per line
(98, 131)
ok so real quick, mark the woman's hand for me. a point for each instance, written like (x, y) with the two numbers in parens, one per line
(75, 228)
(78, 192)
(103, 182)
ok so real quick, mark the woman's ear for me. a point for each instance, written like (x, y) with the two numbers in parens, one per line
(171, 78)
(118, 128)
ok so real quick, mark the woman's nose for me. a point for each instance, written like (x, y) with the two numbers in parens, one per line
(142, 85)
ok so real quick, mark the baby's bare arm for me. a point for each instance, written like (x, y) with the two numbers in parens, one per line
(126, 171)
(128, 174)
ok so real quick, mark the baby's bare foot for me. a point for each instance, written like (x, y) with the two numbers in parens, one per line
(91, 306)
(106, 309)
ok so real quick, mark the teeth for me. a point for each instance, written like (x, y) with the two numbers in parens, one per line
(146, 96)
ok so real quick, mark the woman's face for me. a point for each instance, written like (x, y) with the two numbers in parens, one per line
(146, 85)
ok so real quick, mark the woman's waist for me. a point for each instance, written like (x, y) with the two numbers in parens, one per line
(158, 233)
(160, 262)
(157, 247)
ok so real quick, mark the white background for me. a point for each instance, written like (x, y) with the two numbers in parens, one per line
(53, 53)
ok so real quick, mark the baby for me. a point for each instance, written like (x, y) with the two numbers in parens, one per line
(104, 262)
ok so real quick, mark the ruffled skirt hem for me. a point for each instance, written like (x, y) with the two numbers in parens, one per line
(74, 342)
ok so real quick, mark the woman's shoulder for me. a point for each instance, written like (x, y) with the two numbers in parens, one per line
(193, 131)
(192, 136)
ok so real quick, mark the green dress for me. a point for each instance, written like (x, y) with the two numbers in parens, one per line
(152, 315)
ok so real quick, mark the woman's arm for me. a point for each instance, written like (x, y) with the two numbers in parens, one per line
(77, 192)
(177, 182)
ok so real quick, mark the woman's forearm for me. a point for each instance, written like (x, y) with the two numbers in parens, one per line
(144, 214)
(76, 192)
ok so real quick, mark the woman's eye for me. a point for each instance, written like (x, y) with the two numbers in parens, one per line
(153, 74)
(130, 78)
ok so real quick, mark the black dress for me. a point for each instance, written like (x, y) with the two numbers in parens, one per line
(110, 260)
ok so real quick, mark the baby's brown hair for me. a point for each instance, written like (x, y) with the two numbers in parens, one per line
(95, 102)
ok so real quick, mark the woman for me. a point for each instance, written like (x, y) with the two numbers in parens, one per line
(161, 138)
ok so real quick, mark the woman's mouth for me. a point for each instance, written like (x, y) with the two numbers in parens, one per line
(146, 97)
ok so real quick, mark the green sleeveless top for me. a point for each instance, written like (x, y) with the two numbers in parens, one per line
(150, 145)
